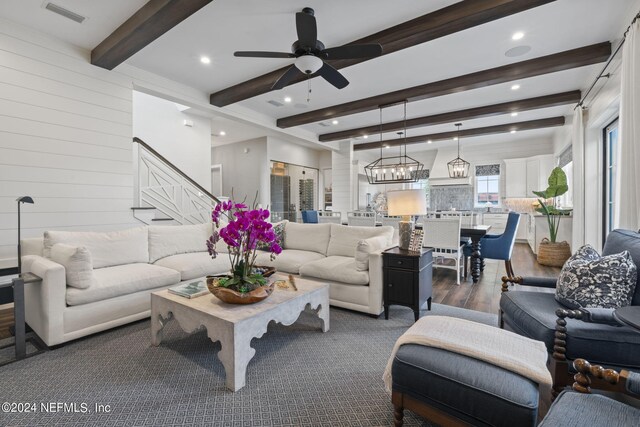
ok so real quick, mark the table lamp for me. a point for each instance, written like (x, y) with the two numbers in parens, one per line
(20, 200)
(406, 203)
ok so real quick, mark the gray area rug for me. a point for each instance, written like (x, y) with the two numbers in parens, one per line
(298, 377)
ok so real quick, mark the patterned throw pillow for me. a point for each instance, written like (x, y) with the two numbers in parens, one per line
(278, 228)
(589, 280)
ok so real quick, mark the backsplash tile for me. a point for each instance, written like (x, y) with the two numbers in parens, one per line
(459, 197)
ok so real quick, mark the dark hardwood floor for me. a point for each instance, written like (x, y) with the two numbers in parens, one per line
(483, 296)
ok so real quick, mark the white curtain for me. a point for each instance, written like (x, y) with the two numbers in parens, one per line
(627, 198)
(577, 149)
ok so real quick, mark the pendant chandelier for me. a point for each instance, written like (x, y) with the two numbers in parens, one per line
(394, 169)
(458, 167)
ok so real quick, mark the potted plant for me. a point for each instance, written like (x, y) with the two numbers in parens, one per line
(246, 231)
(551, 252)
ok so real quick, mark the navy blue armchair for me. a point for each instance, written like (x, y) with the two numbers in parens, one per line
(593, 334)
(499, 246)
(310, 217)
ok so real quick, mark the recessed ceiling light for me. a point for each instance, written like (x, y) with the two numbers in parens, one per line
(513, 131)
(455, 138)
(222, 133)
(205, 60)
(517, 36)
(365, 136)
(334, 122)
(429, 141)
(387, 146)
(287, 99)
(514, 114)
(515, 87)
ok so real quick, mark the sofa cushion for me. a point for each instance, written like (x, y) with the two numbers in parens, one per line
(593, 281)
(533, 314)
(476, 391)
(344, 239)
(625, 240)
(196, 264)
(123, 280)
(307, 237)
(336, 269)
(289, 261)
(107, 248)
(32, 246)
(170, 240)
(573, 409)
(77, 264)
(366, 247)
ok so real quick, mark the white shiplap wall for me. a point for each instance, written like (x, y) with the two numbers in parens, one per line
(65, 136)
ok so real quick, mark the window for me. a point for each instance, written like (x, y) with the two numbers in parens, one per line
(565, 162)
(487, 188)
(609, 174)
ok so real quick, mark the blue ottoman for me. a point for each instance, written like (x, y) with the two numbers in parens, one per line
(451, 389)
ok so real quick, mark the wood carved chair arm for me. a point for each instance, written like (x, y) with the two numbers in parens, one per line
(540, 282)
(594, 376)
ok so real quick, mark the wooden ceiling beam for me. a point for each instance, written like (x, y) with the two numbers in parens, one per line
(546, 101)
(580, 57)
(151, 21)
(452, 19)
(488, 130)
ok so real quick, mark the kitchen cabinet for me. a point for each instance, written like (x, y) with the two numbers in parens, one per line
(515, 178)
(523, 176)
(498, 222)
(539, 229)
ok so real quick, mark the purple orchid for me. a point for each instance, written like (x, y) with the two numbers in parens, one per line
(245, 230)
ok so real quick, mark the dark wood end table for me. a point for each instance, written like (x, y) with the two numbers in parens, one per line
(407, 279)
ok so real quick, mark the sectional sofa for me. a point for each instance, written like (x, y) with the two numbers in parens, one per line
(94, 281)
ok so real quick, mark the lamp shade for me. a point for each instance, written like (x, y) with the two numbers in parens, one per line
(406, 202)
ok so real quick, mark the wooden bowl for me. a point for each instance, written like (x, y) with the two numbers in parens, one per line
(233, 297)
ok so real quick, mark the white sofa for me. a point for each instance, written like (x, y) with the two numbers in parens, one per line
(128, 265)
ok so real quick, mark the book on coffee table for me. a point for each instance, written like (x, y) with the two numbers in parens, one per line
(191, 290)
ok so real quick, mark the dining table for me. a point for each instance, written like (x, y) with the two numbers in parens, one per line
(475, 233)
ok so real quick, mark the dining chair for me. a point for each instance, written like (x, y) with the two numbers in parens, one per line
(329, 217)
(498, 246)
(443, 235)
(361, 219)
(310, 217)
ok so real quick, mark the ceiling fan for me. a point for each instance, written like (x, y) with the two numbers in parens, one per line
(310, 54)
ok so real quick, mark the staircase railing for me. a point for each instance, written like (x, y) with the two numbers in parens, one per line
(162, 185)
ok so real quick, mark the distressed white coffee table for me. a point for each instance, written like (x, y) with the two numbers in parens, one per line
(236, 325)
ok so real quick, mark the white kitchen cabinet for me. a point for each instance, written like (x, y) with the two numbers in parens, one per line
(498, 222)
(539, 229)
(515, 178)
(523, 176)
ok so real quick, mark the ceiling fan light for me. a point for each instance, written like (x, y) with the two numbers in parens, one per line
(308, 64)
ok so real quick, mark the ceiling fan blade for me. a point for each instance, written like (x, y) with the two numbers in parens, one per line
(307, 29)
(333, 76)
(352, 51)
(259, 54)
(285, 78)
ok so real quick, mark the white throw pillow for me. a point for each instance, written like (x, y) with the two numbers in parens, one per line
(170, 240)
(344, 239)
(107, 248)
(307, 237)
(77, 264)
(366, 247)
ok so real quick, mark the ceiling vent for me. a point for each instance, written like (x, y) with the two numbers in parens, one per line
(324, 124)
(65, 12)
(275, 103)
